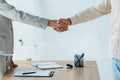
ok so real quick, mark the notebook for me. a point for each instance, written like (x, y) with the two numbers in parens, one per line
(34, 73)
(47, 65)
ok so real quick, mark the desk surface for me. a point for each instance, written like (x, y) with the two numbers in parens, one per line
(88, 72)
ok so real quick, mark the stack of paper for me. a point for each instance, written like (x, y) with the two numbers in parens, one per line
(47, 65)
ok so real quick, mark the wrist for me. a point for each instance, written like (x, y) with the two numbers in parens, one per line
(50, 23)
(69, 21)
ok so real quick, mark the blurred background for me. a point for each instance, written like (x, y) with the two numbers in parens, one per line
(92, 37)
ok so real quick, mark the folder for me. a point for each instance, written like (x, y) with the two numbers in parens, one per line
(47, 65)
(33, 73)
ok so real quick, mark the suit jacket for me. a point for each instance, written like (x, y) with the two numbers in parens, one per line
(8, 13)
(106, 7)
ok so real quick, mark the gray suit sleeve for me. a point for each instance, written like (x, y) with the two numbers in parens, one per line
(10, 12)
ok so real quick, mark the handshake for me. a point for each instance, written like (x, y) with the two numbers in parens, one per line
(60, 25)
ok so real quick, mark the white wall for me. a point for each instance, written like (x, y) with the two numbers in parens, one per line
(92, 38)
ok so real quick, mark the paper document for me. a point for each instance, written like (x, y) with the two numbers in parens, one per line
(47, 65)
(33, 74)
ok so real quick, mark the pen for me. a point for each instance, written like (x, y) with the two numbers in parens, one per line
(78, 60)
(82, 55)
(28, 73)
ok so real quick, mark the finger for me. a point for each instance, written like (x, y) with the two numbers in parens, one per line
(62, 24)
(63, 21)
(15, 65)
(65, 27)
(12, 64)
(62, 29)
(58, 30)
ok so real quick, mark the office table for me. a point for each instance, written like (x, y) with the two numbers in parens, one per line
(88, 72)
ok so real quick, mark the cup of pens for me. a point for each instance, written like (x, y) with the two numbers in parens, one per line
(79, 60)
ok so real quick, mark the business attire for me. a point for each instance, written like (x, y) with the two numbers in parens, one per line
(106, 7)
(8, 13)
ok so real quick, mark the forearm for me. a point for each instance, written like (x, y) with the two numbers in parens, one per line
(85, 16)
(92, 13)
(10, 12)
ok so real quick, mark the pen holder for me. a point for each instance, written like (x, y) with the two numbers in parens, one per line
(79, 60)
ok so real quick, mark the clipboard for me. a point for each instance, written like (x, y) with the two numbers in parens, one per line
(34, 74)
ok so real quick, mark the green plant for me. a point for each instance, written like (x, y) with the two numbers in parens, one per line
(29, 59)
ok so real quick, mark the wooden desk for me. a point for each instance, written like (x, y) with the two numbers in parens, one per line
(88, 72)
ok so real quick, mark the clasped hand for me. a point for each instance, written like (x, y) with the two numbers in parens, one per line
(60, 25)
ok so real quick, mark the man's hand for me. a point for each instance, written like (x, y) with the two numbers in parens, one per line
(56, 26)
(12, 64)
(64, 21)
